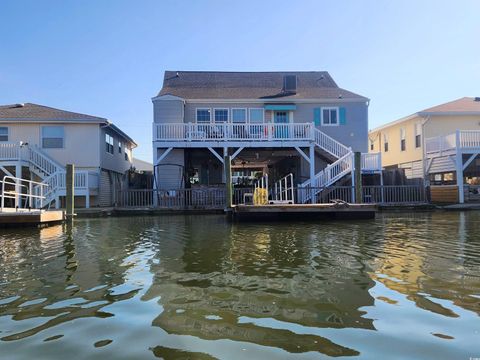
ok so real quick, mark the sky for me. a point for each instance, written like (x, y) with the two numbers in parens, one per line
(107, 57)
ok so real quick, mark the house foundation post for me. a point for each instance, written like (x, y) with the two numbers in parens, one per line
(459, 167)
(228, 182)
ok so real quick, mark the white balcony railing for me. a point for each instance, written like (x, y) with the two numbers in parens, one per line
(233, 132)
(466, 139)
(371, 161)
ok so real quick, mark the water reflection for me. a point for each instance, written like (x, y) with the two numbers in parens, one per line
(198, 287)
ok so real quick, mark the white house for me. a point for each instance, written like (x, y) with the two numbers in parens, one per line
(36, 142)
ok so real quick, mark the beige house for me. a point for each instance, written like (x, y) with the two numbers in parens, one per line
(434, 144)
(36, 142)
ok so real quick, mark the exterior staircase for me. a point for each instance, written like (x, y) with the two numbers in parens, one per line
(341, 167)
(48, 170)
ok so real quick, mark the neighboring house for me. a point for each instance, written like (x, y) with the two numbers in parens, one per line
(439, 144)
(36, 142)
(272, 123)
(141, 176)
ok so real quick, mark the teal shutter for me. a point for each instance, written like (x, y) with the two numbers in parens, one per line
(316, 116)
(343, 117)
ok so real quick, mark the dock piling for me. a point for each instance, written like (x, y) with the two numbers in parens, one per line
(358, 177)
(70, 179)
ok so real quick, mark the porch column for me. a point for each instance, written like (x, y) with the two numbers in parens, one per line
(312, 173)
(225, 154)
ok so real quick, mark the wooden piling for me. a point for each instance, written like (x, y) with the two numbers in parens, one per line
(70, 183)
(358, 177)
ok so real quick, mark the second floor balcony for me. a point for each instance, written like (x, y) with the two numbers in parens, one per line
(461, 140)
(230, 132)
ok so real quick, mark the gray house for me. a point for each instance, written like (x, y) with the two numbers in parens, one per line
(273, 123)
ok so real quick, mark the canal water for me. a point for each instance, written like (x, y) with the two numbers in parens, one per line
(402, 286)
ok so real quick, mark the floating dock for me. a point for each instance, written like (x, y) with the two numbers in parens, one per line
(286, 212)
(18, 218)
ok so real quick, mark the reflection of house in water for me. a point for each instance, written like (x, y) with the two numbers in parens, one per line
(231, 276)
(426, 260)
(69, 274)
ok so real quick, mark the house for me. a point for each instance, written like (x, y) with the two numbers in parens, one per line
(440, 144)
(36, 142)
(273, 123)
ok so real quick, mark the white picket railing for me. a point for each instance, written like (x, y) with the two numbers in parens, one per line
(20, 189)
(329, 144)
(9, 151)
(466, 139)
(371, 161)
(469, 138)
(283, 190)
(232, 132)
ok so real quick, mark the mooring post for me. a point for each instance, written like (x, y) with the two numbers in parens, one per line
(228, 181)
(70, 183)
(358, 177)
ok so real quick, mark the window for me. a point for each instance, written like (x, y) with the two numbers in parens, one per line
(119, 147)
(385, 142)
(256, 115)
(108, 143)
(3, 133)
(329, 116)
(203, 115)
(239, 115)
(52, 137)
(220, 115)
(403, 145)
(418, 135)
(371, 145)
(127, 154)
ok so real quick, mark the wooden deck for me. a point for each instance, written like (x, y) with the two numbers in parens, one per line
(286, 212)
(12, 218)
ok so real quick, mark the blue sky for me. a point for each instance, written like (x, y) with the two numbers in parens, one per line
(107, 58)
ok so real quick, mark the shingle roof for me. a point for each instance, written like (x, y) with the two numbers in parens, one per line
(465, 104)
(29, 111)
(251, 85)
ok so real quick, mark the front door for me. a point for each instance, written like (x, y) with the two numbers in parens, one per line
(281, 131)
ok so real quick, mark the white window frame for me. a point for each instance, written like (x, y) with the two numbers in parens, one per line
(8, 133)
(42, 137)
(385, 141)
(246, 116)
(203, 122)
(329, 108)
(222, 108)
(112, 144)
(418, 132)
(250, 118)
(403, 137)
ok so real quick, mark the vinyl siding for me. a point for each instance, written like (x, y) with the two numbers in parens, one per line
(169, 174)
(168, 111)
(116, 161)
